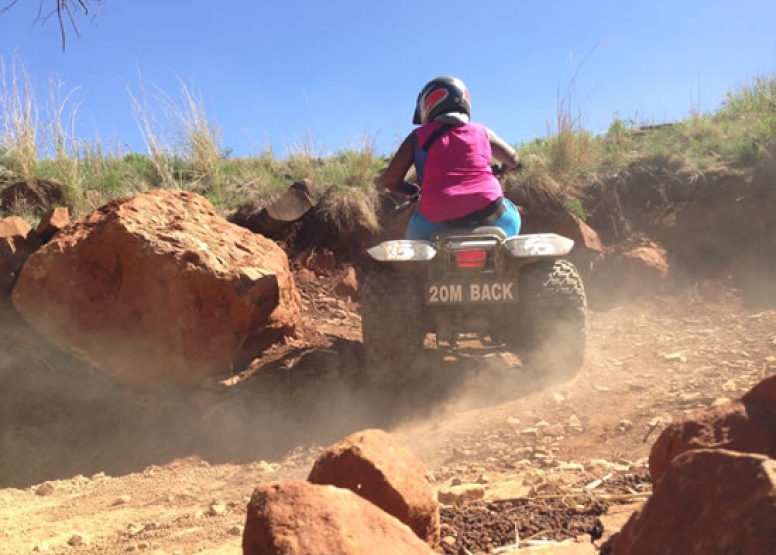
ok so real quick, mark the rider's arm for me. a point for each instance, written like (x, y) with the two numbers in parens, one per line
(502, 151)
(402, 162)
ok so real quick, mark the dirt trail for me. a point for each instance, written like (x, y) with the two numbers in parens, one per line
(475, 413)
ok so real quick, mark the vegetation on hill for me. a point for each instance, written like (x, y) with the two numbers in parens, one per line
(185, 150)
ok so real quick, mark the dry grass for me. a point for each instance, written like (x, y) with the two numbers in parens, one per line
(198, 138)
(64, 142)
(350, 210)
(151, 126)
(185, 151)
(180, 131)
(570, 146)
(19, 113)
(22, 208)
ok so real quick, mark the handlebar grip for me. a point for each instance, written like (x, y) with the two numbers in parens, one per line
(409, 189)
(499, 170)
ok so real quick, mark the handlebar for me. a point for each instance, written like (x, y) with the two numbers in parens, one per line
(502, 169)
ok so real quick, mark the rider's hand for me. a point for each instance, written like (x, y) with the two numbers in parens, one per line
(504, 168)
(409, 189)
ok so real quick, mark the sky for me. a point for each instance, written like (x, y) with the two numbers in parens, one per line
(329, 75)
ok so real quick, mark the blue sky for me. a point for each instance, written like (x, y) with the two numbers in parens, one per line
(333, 73)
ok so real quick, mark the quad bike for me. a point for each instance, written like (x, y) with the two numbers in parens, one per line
(474, 284)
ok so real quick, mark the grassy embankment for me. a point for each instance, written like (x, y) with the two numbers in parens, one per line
(185, 150)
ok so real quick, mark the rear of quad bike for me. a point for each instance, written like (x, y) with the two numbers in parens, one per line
(514, 292)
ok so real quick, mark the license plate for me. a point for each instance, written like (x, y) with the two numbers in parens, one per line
(478, 292)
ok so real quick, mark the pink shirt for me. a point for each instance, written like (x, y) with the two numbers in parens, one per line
(457, 178)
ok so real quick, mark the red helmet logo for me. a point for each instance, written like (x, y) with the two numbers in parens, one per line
(432, 99)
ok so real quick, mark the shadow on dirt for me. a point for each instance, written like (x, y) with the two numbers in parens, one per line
(60, 418)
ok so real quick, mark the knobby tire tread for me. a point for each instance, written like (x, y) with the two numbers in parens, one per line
(392, 325)
(553, 315)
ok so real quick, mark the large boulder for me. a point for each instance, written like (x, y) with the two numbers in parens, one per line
(159, 290)
(745, 426)
(299, 518)
(643, 265)
(588, 249)
(374, 465)
(17, 242)
(709, 501)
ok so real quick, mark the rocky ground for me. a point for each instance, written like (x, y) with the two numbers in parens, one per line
(528, 456)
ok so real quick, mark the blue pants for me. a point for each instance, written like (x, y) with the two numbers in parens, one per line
(420, 228)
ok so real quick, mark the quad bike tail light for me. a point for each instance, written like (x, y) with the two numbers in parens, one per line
(471, 258)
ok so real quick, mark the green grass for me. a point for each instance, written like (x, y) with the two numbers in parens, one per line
(185, 151)
(739, 134)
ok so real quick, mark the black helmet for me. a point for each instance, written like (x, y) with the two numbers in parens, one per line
(441, 96)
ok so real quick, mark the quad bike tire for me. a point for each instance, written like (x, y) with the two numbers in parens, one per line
(392, 325)
(552, 325)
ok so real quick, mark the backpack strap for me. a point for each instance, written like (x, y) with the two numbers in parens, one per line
(441, 130)
(420, 155)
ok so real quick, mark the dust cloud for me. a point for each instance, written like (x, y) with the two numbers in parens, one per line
(62, 418)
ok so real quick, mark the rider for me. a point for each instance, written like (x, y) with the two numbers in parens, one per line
(452, 161)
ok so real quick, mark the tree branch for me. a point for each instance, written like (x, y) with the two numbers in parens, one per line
(67, 11)
(8, 7)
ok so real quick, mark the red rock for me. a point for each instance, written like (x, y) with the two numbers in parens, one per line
(321, 262)
(17, 243)
(587, 245)
(54, 220)
(159, 290)
(14, 226)
(614, 519)
(764, 392)
(570, 225)
(374, 465)
(299, 518)
(347, 284)
(708, 501)
(746, 426)
(630, 269)
(643, 265)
